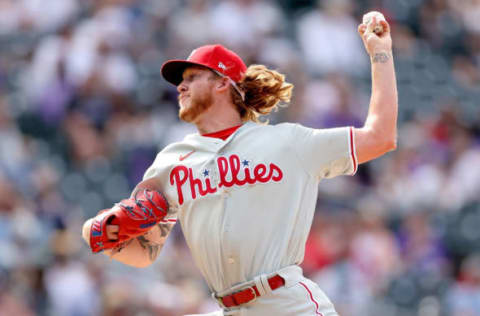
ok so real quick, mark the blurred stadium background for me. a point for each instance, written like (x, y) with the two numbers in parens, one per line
(83, 111)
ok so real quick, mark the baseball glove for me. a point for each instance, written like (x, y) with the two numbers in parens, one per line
(134, 217)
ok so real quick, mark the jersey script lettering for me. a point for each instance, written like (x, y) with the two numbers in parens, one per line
(232, 171)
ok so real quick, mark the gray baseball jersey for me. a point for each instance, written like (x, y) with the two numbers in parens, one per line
(246, 204)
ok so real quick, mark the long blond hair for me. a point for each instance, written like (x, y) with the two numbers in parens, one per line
(265, 90)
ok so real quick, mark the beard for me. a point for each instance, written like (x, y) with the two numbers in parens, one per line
(198, 105)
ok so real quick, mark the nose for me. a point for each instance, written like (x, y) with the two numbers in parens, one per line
(182, 87)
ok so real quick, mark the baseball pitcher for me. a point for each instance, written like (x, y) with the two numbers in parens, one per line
(244, 192)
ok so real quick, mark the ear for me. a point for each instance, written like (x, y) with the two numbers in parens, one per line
(222, 84)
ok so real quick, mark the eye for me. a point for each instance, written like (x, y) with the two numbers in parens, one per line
(190, 77)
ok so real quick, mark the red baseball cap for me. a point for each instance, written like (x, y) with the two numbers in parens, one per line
(216, 57)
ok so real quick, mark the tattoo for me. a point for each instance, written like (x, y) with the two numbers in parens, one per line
(154, 246)
(120, 247)
(152, 241)
(164, 229)
(380, 57)
(153, 249)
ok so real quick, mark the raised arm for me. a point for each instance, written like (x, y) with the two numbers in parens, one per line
(379, 133)
(140, 251)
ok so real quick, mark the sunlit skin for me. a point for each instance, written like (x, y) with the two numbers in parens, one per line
(205, 101)
(195, 93)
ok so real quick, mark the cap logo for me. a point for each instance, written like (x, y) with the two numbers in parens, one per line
(222, 66)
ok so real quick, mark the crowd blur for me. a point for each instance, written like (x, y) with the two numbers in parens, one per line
(83, 112)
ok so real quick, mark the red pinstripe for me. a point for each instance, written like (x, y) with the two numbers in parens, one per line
(168, 221)
(311, 297)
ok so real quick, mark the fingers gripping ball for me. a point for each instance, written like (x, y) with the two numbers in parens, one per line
(134, 217)
(367, 18)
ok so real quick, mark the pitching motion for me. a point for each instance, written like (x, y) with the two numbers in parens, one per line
(244, 192)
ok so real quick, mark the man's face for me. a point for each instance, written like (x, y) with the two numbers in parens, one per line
(195, 93)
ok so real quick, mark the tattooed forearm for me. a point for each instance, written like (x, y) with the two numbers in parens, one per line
(382, 57)
(145, 248)
(120, 247)
(152, 248)
(154, 240)
(164, 229)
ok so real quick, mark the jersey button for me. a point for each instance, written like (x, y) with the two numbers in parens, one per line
(231, 260)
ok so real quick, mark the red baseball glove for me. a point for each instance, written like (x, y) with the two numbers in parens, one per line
(134, 217)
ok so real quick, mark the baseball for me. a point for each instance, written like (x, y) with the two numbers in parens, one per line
(378, 29)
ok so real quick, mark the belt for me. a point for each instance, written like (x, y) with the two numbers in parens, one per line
(249, 294)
